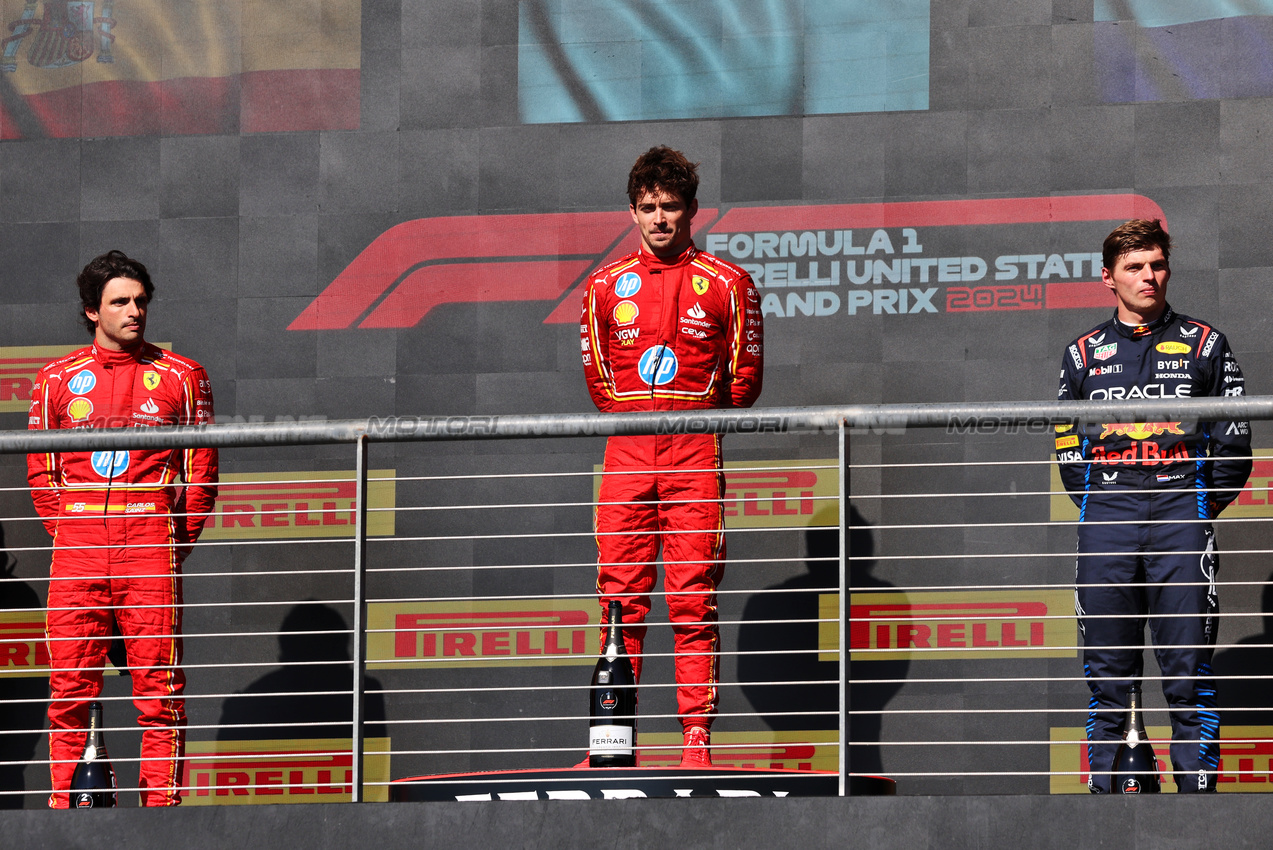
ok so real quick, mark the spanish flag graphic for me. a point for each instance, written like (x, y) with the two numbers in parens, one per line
(79, 68)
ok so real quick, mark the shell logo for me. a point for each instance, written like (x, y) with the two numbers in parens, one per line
(625, 312)
(1141, 430)
(80, 409)
(1172, 348)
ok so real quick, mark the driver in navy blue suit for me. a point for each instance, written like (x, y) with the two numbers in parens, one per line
(1147, 493)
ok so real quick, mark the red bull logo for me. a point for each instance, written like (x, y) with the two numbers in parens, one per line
(1140, 430)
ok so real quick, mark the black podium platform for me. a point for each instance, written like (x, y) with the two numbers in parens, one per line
(619, 783)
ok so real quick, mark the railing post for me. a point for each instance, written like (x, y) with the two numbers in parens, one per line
(360, 614)
(843, 450)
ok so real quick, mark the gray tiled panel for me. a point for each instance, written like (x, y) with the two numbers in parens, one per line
(441, 87)
(1071, 12)
(505, 183)
(594, 160)
(948, 65)
(498, 87)
(436, 394)
(271, 397)
(1073, 65)
(138, 239)
(380, 80)
(1193, 218)
(119, 178)
(265, 349)
(1245, 222)
(382, 24)
(1093, 147)
(355, 398)
(199, 176)
(1246, 141)
(451, 24)
(531, 392)
(198, 256)
(438, 172)
(927, 155)
(1009, 152)
(1009, 67)
(39, 262)
(278, 255)
(358, 172)
(364, 355)
(844, 157)
(1176, 144)
(199, 328)
(1008, 13)
(40, 181)
(280, 174)
(761, 159)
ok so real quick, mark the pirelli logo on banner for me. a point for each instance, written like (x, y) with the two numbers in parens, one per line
(19, 365)
(496, 633)
(943, 625)
(23, 651)
(309, 770)
(271, 505)
(1246, 759)
(775, 493)
(1253, 501)
(768, 750)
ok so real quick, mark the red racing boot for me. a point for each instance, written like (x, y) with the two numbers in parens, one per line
(697, 748)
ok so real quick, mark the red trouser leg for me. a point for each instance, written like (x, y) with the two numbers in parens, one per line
(148, 593)
(150, 620)
(691, 518)
(78, 628)
(626, 523)
(666, 491)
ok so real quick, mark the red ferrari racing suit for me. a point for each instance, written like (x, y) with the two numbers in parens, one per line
(121, 527)
(683, 334)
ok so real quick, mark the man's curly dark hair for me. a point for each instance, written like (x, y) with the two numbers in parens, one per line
(100, 271)
(663, 169)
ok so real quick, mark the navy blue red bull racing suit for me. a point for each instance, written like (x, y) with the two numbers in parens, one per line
(1147, 493)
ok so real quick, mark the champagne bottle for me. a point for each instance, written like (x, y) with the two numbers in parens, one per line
(1135, 763)
(93, 783)
(612, 736)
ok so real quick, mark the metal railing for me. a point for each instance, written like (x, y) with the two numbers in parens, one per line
(874, 423)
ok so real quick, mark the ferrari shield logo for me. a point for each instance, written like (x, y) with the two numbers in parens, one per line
(150, 380)
(701, 285)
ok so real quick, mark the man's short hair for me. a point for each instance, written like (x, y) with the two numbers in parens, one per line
(100, 271)
(663, 169)
(1139, 234)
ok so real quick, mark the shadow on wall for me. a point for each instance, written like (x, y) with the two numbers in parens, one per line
(294, 701)
(1248, 701)
(24, 697)
(786, 620)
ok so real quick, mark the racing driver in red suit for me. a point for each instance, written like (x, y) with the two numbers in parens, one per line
(121, 524)
(669, 328)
